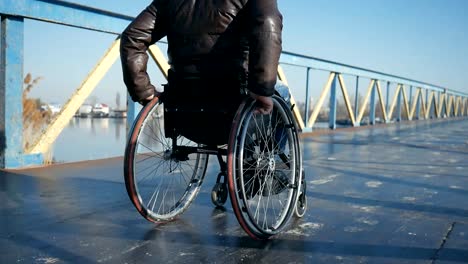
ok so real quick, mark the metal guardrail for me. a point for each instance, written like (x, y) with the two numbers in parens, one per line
(428, 101)
(438, 102)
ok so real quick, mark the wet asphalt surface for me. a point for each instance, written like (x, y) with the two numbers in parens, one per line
(395, 194)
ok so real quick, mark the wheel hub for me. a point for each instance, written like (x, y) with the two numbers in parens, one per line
(271, 164)
(167, 154)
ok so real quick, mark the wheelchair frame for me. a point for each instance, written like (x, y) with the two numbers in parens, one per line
(265, 183)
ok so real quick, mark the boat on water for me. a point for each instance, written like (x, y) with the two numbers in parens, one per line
(118, 113)
(85, 110)
(100, 110)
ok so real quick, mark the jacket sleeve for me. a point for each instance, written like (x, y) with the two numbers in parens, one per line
(143, 31)
(265, 42)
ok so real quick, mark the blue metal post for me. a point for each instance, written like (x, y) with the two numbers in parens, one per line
(132, 112)
(446, 106)
(410, 96)
(465, 107)
(307, 101)
(438, 103)
(418, 106)
(372, 106)
(356, 101)
(441, 110)
(427, 95)
(460, 106)
(428, 103)
(11, 95)
(398, 113)
(332, 113)
(387, 98)
(465, 110)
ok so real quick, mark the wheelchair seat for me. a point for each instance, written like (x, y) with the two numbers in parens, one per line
(201, 109)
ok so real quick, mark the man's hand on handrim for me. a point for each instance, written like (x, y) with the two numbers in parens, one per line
(264, 104)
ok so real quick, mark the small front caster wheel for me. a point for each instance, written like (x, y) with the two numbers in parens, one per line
(219, 194)
(301, 205)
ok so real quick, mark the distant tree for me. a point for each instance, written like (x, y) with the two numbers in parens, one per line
(34, 117)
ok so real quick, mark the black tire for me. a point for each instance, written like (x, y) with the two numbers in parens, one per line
(264, 165)
(219, 194)
(159, 186)
(301, 205)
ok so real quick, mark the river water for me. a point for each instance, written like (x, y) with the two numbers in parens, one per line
(90, 139)
(96, 138)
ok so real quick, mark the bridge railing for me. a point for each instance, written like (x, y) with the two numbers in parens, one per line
(367, 95)
(428, 101)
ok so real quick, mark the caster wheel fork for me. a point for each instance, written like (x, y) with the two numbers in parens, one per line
(301, 204)
(219, 193)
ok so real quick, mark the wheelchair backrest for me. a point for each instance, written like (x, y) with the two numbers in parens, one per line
(201, 109)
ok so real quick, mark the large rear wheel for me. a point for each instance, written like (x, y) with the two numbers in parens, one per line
(264, 165)
(160, 184)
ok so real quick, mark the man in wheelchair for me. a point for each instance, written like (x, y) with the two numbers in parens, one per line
(222, 54)
(219, 52)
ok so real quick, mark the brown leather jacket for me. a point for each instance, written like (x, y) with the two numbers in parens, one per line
(216, 36)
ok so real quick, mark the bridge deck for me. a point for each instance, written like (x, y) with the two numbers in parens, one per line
(381, 195)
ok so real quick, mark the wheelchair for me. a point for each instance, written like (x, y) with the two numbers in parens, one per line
(168, 148)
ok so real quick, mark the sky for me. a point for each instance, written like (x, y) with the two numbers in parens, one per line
(424, 40)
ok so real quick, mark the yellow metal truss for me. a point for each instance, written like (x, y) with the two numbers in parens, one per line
(61, 120)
